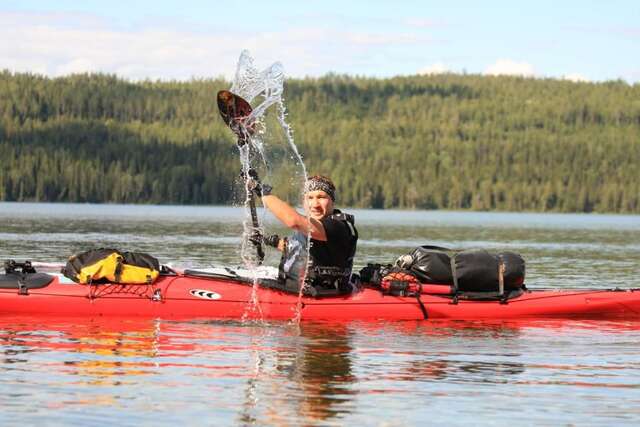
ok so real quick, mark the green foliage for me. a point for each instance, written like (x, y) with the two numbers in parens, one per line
(428, 142)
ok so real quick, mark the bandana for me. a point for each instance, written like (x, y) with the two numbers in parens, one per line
(315, 184)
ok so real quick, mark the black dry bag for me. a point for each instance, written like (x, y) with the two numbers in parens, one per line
(430, 264)
(478, 271)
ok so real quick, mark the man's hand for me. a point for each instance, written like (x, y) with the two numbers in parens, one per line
(254, 184)
(273, 240)
(257, 238)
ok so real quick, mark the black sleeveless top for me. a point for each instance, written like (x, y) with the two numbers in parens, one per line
(340, 247)
(331, 260)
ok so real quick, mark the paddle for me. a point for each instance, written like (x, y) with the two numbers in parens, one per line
(235, 112)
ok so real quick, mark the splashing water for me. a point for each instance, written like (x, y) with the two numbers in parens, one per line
(250, 83)
(267, 86)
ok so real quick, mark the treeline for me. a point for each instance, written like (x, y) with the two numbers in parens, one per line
(434, 142)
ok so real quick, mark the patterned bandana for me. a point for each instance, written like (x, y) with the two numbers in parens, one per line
(317, 184)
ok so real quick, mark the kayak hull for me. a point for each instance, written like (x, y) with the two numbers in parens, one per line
(182, 296)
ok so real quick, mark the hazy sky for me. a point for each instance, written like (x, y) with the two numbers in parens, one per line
(580, 40)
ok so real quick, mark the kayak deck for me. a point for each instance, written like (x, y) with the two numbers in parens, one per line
(185, 296)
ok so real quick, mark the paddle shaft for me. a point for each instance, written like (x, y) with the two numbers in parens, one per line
(235, 112)
(256, 225)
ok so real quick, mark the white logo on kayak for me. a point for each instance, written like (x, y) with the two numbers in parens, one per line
(204, 294)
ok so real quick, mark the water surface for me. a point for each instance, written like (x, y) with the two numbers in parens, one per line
(70, 371)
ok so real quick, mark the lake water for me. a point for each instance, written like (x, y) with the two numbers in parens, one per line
(57, 371)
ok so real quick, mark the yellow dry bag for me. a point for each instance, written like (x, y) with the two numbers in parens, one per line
(112, 266)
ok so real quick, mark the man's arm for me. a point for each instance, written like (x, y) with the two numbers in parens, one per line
(291, 218)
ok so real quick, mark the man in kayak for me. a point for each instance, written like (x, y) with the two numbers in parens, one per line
(333, 238)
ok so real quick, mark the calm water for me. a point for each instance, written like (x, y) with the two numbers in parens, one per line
(153, 372)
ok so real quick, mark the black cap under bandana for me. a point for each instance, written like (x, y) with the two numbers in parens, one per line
(318, 183)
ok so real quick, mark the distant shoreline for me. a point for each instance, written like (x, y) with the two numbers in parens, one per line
(446, 141)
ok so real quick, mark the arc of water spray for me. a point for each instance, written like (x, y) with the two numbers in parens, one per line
(250, 83)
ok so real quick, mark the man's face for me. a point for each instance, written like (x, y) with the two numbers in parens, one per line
(318, 204)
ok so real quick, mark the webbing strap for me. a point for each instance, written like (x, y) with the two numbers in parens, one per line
(501, 270)
(22, 286)
(501, 277)
(455, 281)
(118, 270)
(421, 304)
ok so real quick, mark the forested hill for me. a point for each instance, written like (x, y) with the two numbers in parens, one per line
(434, 142)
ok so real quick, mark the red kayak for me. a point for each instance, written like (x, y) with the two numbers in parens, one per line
(195, 296)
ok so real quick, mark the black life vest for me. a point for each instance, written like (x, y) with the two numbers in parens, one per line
(324, 275)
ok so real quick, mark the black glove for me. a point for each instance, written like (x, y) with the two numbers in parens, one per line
(272, 240)
(257, 238)
(254, 184)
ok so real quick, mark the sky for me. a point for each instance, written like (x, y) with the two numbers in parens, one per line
(578, 40)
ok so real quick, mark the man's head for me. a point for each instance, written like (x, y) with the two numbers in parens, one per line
(319, 196)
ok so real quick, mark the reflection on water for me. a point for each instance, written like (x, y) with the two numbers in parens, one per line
(154, 372)
(159, 372)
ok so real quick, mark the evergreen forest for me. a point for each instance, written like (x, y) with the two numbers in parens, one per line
(446, 141)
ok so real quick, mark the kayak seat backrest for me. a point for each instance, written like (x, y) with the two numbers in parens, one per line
(31, 280)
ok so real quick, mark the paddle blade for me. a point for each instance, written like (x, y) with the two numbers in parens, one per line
(235, 112)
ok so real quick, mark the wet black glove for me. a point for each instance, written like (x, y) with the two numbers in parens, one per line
(257, 238)
(254, 184)
(272, 240)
